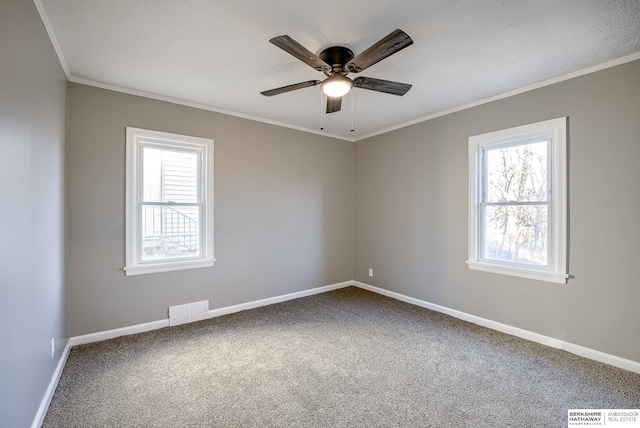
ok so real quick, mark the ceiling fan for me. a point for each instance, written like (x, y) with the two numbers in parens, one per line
(337, 61)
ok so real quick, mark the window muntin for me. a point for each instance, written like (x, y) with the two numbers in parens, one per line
(517, 206)
(169, 202)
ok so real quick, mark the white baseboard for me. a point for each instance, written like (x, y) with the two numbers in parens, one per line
(53, 384)
(591, 354)
(154, 325)
(124, 331)
(271, 300)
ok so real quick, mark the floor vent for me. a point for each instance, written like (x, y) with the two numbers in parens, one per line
(182, 314)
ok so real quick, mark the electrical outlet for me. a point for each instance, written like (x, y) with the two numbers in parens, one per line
(370, 272)
(53, 346)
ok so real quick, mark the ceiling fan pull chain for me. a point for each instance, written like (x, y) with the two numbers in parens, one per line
(352, 128)
(321, 111)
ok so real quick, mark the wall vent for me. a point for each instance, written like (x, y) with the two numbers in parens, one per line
(182, 314)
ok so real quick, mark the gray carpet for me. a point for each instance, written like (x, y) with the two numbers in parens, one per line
(347, 358)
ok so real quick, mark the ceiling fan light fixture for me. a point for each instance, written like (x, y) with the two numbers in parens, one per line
(336, 86)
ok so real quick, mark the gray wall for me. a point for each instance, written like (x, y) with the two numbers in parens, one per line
(283, 211)
(411, 214)
(284, 207)
(32, 276)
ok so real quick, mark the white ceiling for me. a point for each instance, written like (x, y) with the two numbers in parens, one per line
(215, 54)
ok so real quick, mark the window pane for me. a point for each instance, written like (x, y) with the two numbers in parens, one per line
(517, 173)
(516, 233)
(170, 232)
(169, 176)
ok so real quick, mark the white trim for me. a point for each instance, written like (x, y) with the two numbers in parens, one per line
(200, 106)
(155, 325)
(117, 332)
(518, 91)
(602, 357)
(555, 132)
(558, 278)
(527, 88)
(632, 366)
(51, 388)
(167, 267)
(136, 138)
(271, 300)
(52, 36)
(592, 354)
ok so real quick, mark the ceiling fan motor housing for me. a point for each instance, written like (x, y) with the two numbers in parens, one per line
(337, 57)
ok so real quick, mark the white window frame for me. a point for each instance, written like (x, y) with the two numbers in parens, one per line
(136, 139)
(554, 131)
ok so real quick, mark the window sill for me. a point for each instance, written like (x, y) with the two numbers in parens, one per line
(555, 277)
(167, 267)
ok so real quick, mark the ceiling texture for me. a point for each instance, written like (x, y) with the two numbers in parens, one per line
(215, 54)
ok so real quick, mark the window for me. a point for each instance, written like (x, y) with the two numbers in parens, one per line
(169, 202)
(517, 201)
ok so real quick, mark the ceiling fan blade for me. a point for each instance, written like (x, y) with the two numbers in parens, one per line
(389, 45)
(386, 86)
(289, 88)
(294, 48)
(334, 104)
